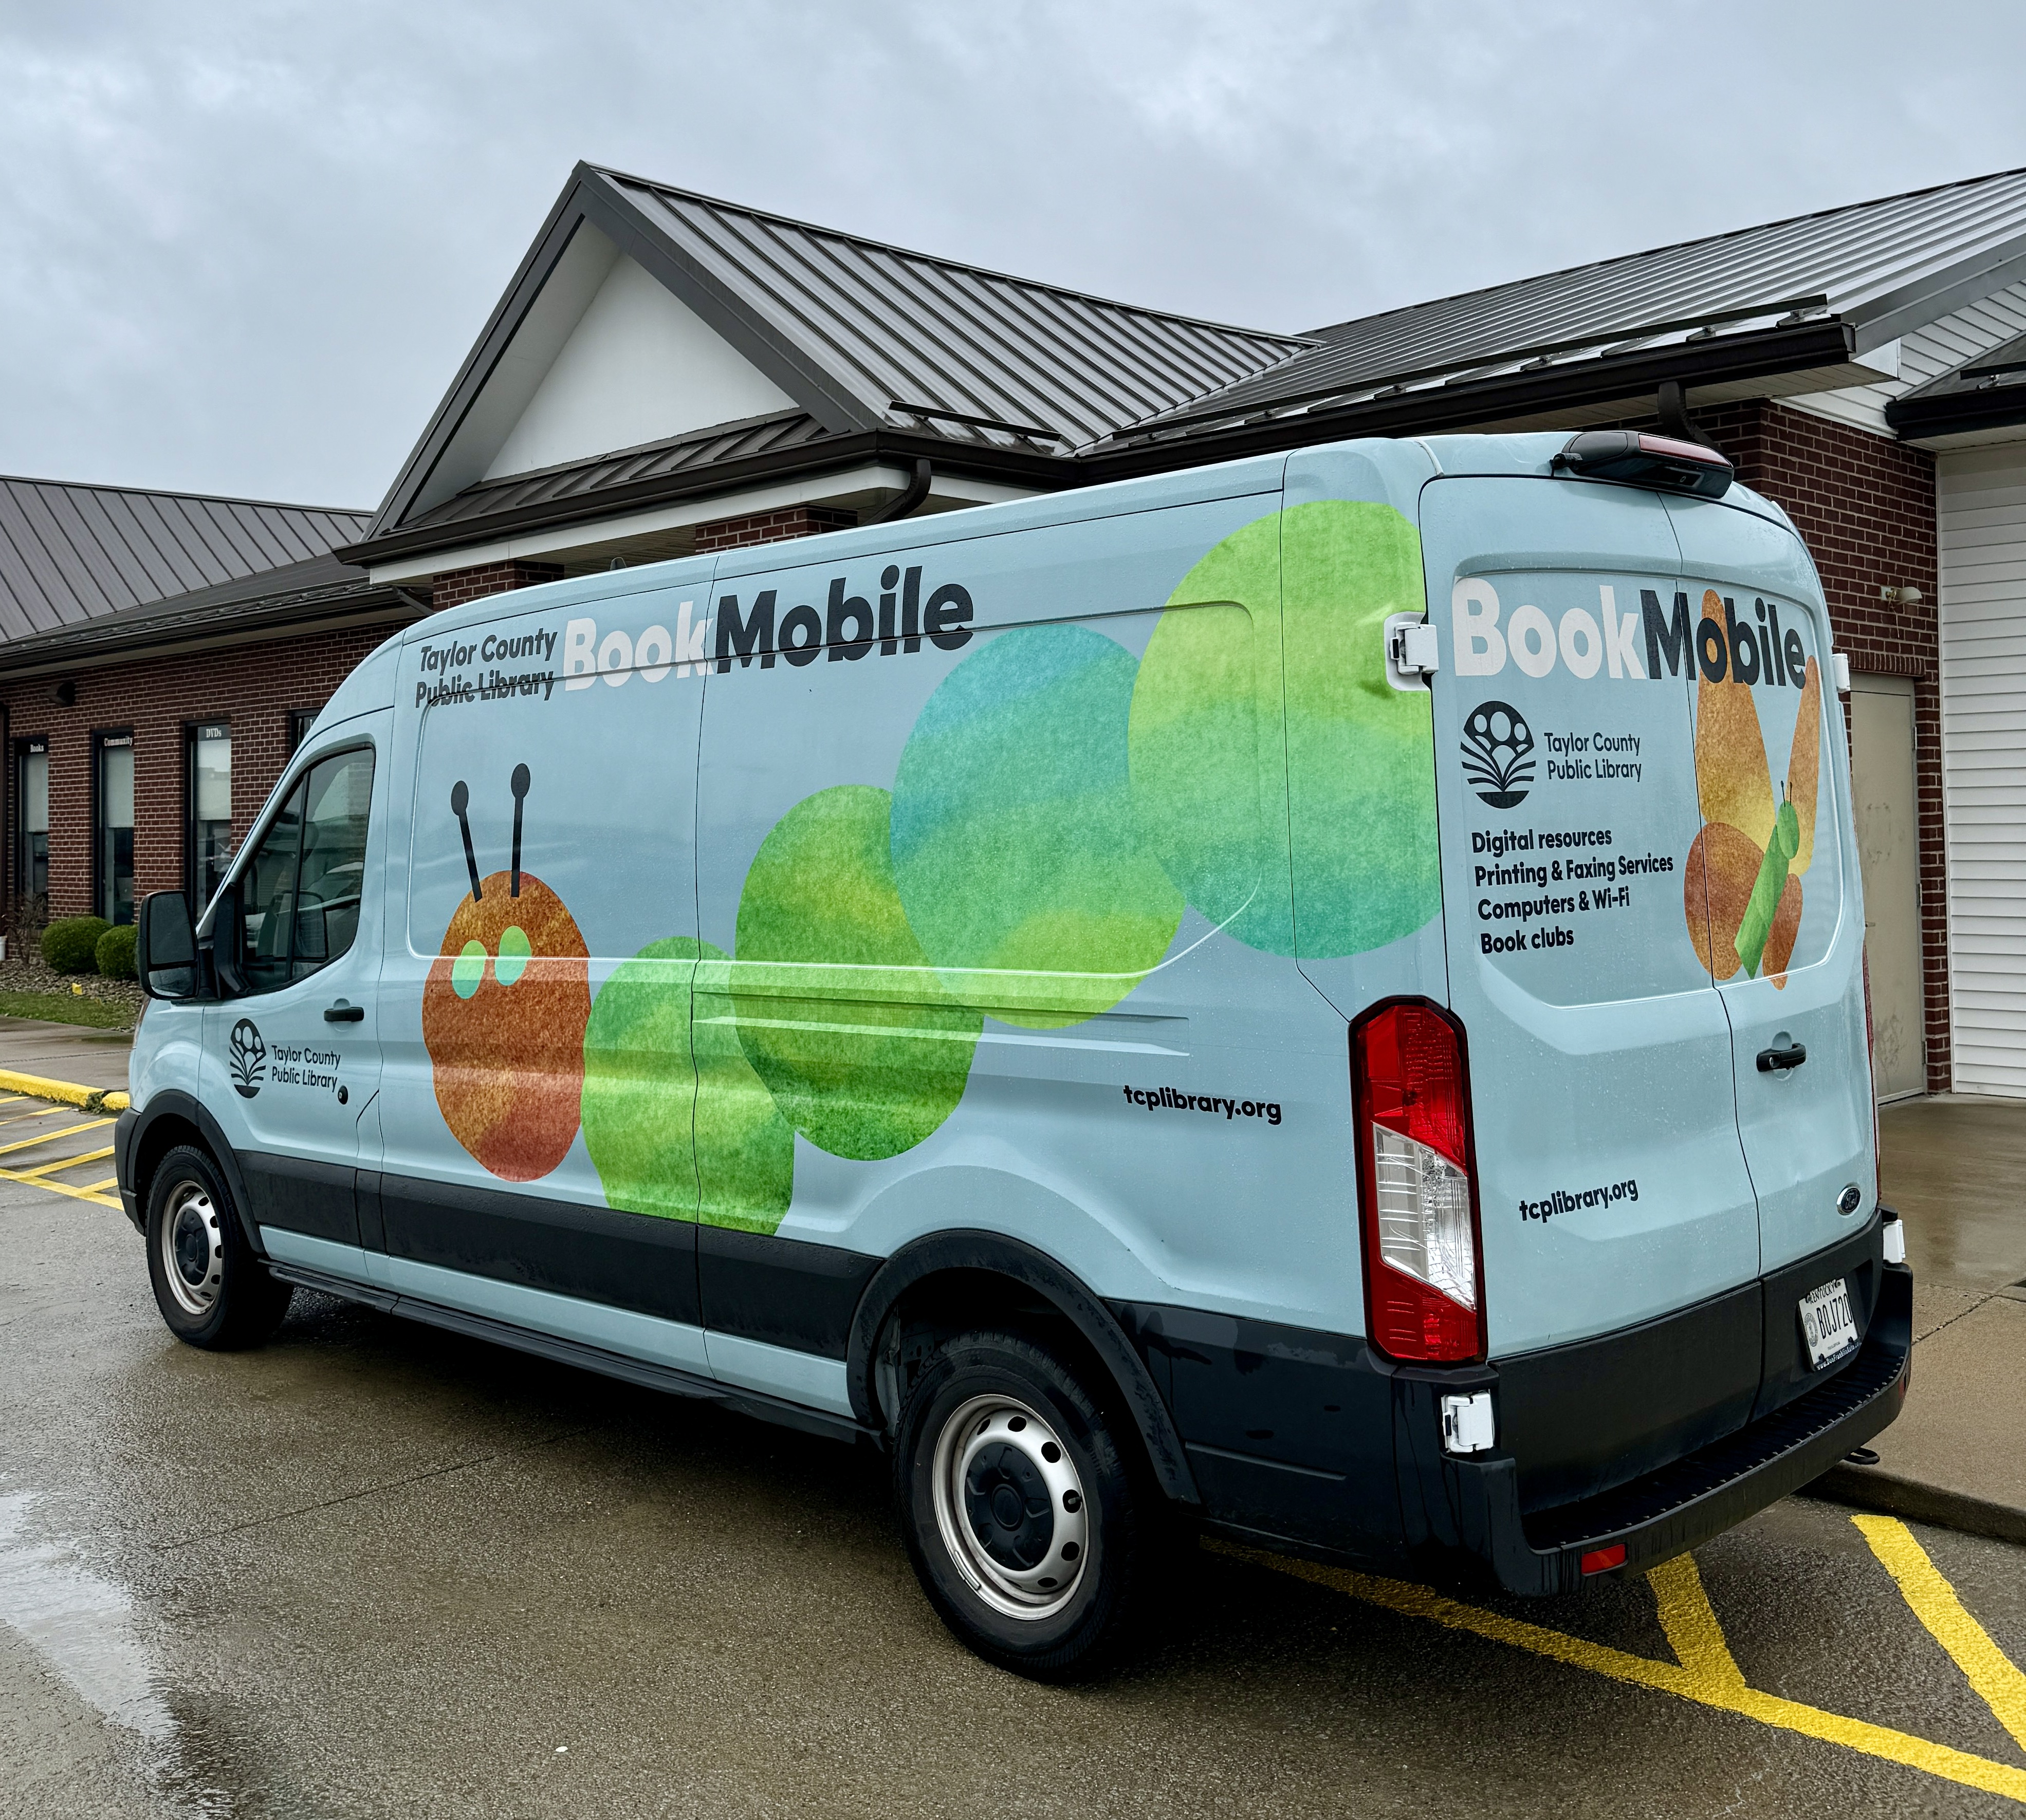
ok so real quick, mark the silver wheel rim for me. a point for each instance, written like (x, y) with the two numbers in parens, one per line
(993, 1452)
(193, 1247)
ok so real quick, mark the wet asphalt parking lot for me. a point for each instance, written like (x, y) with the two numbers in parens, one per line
(376, 1569)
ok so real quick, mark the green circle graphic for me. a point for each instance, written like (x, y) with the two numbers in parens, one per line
(653, 1074)
(1208, 730)
(1360, 753)
(839, 1010)
(1014, 847)
(1205, 740)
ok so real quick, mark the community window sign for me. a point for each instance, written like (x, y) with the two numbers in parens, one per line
(32, 818)
(209, 769)
(113, 836)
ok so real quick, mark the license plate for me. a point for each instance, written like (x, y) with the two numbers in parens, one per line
(1827, 1323)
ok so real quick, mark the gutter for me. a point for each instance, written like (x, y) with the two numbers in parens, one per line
(94, 644)
(899, 448)
(1994, 407)
(1635, 377)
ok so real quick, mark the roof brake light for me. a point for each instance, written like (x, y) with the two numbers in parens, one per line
(1639, 458)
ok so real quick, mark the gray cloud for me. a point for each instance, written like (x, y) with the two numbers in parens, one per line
(248, 244)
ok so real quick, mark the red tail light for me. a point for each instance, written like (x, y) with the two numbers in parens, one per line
(1418, 1204)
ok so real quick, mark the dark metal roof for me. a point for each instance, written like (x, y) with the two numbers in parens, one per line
(629, 467)
(933, 343)
(69, 553)
(1987, 391)
(291, 598)
(892, 354)
(1881, 266)
(867, 339)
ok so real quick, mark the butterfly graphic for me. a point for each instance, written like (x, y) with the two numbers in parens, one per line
(1741, 892)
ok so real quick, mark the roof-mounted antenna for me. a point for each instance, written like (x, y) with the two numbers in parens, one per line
(519, 782)
(459, 798)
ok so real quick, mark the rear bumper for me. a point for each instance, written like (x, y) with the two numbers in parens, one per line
(1469, 1509)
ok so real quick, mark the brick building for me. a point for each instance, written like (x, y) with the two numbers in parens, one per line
(670, 375)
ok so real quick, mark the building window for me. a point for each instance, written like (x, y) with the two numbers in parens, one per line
(32, 823)
(300, 721)
(209, 769)
(113, 830)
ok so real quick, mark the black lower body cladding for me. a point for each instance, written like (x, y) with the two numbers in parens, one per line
(1658, 1437)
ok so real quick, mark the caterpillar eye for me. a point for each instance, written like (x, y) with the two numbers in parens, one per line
(514, 950)
(468, 969)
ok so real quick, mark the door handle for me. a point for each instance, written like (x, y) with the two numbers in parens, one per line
(342, 1012)
(1770, 1060)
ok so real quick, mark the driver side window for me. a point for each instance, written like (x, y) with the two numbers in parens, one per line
(300, 892)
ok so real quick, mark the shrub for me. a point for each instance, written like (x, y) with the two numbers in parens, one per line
(70, 943)
(115, 951)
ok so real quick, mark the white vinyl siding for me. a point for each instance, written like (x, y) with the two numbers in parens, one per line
(1982, 511)
(1960, 335)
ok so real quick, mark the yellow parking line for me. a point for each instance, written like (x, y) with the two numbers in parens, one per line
(67, 1163)
(1990, 1670)
(40, 1112)
(95, 1187)
(51, 1137)
(1690, 1622)
(1707, 1675)
(61, 1187)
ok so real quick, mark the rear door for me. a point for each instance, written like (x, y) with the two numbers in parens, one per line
(1777, 866)
(1611, 1185)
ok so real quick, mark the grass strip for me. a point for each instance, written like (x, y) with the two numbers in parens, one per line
(67, 1008)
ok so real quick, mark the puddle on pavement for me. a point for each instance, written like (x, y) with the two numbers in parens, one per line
(83, 1626)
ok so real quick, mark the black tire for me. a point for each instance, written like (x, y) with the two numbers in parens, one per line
(212, 1291)
(998, 1402)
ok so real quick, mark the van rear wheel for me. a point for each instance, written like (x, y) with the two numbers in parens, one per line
(212, 1289)
(1028, 1518)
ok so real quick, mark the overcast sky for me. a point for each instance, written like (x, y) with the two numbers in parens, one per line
(246, 245)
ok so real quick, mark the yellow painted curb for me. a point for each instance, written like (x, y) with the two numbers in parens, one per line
(65, 1093)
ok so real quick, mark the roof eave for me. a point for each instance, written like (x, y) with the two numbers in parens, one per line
(92, 644)
(1761, 354)
(1950, 413)
(1046, 472)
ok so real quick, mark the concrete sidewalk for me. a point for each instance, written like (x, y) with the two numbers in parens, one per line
(1955, 1168)
(65, 1051)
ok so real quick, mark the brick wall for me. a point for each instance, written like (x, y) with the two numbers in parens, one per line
(454, 586)
(771, 528)
(1864, 505)
(253, 686)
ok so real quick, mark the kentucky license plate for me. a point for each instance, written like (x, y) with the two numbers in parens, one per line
(1827, 1322)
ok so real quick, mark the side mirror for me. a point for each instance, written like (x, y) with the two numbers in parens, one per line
(165, 946)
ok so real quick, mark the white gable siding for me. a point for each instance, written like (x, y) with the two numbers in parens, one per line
(638, 367)
(1922, 353)
(1982, 512)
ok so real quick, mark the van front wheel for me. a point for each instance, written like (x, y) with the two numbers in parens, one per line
(1027, 1524)
(212, 1291)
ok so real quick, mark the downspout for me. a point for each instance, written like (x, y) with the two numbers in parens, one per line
(908, 498)
(1672, 408)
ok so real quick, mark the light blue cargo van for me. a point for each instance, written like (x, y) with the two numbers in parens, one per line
(1321, 998)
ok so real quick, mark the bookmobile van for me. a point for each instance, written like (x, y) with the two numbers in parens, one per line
(1321, 998)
